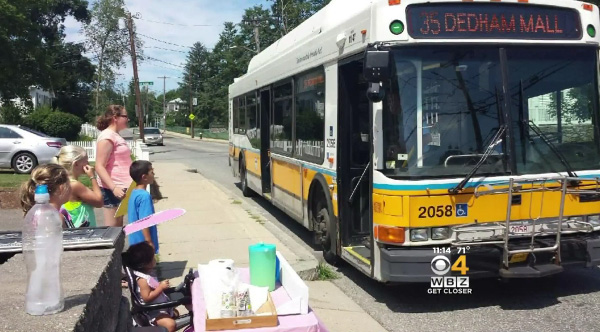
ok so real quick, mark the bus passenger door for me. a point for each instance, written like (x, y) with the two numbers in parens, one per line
(354, 169)
(265, 125)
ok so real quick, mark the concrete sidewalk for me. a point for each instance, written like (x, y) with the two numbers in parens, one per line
(174, 134)
(218, 226)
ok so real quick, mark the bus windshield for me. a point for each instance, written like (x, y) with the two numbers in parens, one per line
(445, 104)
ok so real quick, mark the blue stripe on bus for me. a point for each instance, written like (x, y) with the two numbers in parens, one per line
(253, 150)
(320, 170)
(436, 186)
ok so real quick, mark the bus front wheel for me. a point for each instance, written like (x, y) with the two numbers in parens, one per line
(328, 230)
(246, 191)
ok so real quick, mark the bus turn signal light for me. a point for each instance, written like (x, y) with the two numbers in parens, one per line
(389, 234)
(588, 6)
(393, 2)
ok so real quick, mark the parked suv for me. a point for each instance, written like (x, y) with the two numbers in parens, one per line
(22, 148)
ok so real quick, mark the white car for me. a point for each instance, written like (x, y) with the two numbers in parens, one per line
(22, 148)
(152, 135)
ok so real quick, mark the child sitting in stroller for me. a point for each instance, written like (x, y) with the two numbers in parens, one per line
(140, 258)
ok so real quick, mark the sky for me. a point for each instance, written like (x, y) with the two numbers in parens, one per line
(183, 18)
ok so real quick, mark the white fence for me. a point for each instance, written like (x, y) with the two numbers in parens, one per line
(89, 130)
(90, 148)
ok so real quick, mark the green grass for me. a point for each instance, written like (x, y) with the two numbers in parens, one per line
(324, 272)
(9, 179)
(255, 218)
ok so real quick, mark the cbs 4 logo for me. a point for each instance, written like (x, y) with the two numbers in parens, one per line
(440, 265)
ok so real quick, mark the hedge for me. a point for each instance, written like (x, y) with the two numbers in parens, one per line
(54, 123)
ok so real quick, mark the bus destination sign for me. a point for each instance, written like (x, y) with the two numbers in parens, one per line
(493, 21)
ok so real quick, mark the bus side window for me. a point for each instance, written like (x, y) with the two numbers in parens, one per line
(242, 115)
(310, 116)
(236, 114)
(281, 130)
(253, 131)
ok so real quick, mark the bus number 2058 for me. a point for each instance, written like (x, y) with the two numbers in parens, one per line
(436, 211)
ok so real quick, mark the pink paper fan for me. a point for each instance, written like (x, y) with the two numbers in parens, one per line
(153, 219)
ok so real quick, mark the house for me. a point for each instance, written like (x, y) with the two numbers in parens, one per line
(174, 105)
(38, 96)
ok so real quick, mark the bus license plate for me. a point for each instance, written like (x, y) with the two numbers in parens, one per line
(521, 229)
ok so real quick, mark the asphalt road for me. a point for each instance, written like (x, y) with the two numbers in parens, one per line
(565, 302)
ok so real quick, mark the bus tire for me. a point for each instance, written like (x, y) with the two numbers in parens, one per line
(246, 191)
(324, 221)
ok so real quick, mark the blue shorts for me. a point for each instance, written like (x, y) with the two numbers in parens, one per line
(110, 200)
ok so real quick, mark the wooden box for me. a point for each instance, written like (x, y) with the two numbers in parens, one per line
(268, 319)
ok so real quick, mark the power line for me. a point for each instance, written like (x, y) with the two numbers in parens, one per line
(181, 25)
(167, 49)
(157, 66)
(168, 63)
(162, 41)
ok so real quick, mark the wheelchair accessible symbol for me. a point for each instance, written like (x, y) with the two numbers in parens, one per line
(462, 210)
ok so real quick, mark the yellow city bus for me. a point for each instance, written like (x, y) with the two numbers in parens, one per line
(400, 131)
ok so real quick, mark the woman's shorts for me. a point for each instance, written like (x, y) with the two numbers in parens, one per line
(110, 200)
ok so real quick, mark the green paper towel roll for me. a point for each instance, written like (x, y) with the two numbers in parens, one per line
(262, 265)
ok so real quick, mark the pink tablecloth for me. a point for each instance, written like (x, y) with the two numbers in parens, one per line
(292, 323)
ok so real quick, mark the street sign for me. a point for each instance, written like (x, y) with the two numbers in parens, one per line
(192, 116)
(195, 102)
(146, 83)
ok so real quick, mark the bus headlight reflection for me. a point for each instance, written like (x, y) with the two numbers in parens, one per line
(594, 220)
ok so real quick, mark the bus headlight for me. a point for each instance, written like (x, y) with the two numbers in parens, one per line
(440, 233)
(419, 234)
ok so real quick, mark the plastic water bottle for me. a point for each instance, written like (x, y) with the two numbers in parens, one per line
(42, 250)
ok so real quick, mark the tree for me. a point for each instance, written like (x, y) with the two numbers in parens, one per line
(260, 18)
(196, 77)
(108, 41)
(288, 14)
(72, 79)
(213, 72)
(30, 32)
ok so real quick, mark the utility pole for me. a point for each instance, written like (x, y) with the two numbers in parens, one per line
(147, 111)
(255, 22)
(191, 109)
(138, 99)
(164, 99)
(256, 37)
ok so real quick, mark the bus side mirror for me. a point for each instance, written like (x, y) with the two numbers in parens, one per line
(377, 66)
(375, 93)
(375, 71)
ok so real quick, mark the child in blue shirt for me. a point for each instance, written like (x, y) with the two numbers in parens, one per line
(140, 203)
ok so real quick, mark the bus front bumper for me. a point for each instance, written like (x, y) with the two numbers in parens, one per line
(403, 264)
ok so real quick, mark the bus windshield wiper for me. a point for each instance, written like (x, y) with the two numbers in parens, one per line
(552, 147)
(497, 139)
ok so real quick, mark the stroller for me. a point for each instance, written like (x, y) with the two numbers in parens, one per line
(180, 295)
